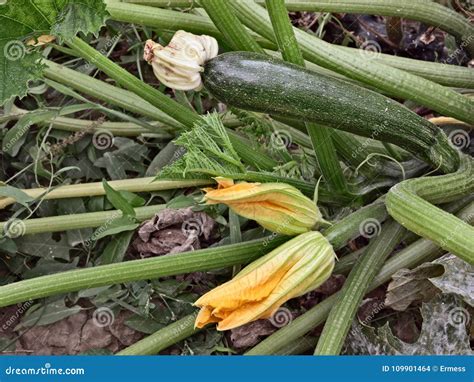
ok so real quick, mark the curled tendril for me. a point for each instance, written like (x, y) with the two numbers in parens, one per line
(180, 63)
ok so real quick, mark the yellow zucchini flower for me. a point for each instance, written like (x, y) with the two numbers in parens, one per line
(277, 207)
(291, 270)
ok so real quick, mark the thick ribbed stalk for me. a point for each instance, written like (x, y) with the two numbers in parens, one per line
(117, 129)
(167, 20)
(97, 188)
(441, 73)
(300, 346)
(340, 319)
(321, 136)
(349, 228)
(202, 260)
(420, 251)
(409, 203)
(395, 82)
(163, 338)
(175, 110)
(113, 95)
(170, 265)
(62, 223)
(235, 34)
(428, 12)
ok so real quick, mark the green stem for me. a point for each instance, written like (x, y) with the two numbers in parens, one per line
(342, 314)
(350, 227)
(163, 338)
(118, 129)
(428, 12)
(409, 203)
(77, 221)
(321, 136)
(161, 101)
(97, 189)
(420, 251)
(202, 260)
(135, 270)
(167, 20)
(444, 74)
(395, 82)
(112, 95)
(106, 92)
(235, 34)
(300, 346)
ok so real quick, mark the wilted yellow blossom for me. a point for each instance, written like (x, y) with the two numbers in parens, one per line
(277, 207)
(293, 269)
(180, 63)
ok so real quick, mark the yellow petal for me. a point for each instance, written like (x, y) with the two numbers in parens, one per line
(252, 287)
(204, 317)
(224, 182)
(296, 267)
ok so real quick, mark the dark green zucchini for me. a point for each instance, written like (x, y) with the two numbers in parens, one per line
(253, 81)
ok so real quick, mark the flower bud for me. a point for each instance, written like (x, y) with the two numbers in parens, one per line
(291, 270)
(179, 64)
(277, 207)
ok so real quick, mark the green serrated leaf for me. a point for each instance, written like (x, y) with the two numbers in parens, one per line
(22, 19)
(86, 16)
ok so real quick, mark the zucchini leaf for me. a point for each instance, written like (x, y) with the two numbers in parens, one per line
(448, 274)
(21, 20)
(206, 151)
(443, 332)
